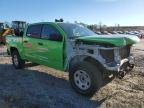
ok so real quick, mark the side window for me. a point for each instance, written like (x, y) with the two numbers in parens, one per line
(34, 31)
(48, 31)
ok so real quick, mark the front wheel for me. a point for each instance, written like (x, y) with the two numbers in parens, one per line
(85, 78)
(18, 63)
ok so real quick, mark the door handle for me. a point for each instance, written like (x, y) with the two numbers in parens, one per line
(25, 41)
(40, 43)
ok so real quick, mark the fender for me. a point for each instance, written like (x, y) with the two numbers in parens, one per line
(79, 58)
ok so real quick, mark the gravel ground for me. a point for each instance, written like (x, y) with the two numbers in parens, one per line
(38, 86)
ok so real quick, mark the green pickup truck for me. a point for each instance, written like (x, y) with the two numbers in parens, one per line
(89, 58)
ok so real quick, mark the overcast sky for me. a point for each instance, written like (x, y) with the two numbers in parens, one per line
(109, 12)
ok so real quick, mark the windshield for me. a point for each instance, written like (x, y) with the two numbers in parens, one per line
(75, 30)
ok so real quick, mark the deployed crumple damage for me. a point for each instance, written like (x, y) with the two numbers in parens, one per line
(111, 57)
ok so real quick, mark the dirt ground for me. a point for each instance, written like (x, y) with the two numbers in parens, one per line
(38, 86)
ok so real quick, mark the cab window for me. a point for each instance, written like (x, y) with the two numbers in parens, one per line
(48, 31)
(34, 31)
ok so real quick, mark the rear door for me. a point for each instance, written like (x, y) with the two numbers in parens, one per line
(30, 42)
(49, 50)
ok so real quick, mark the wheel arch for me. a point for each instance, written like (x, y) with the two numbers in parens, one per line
(96, 63)
(13, 49)
(79, 58)
(74, 61)
(19, 63)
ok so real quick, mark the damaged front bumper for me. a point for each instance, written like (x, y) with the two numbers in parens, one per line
(121, 68)
(117, 60)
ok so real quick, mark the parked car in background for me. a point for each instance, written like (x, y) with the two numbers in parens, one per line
(98, 32)
(105, 33)
(135, 33)
(111, 32)
(120, 32)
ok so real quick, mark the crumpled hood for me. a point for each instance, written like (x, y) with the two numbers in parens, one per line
(117, 40)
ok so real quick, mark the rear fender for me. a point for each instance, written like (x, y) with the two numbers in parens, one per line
(14, 49)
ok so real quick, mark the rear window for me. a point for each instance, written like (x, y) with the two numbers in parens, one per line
(34, 31)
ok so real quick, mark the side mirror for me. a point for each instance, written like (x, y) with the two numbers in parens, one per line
(55, 37)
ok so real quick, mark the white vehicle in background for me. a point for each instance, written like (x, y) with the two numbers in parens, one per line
(135, 33)
(126, 32)
(115, 32)
(106, 33)
(98, 32)
(120, 32)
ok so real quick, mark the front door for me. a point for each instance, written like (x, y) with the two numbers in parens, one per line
(51, 50)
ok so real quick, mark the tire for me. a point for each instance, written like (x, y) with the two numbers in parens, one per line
(18, 63)
(93, 79)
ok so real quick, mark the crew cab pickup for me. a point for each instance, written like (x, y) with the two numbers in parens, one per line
(89, 58)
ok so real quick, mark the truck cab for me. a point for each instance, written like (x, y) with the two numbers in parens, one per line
(89, 58)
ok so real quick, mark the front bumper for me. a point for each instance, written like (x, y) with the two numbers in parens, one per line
(121, 68)
(116, 66)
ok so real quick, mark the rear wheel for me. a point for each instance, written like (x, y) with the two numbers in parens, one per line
(18, 63)
(85, 78)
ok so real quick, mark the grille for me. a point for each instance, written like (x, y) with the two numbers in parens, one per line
(108, 55)
(125, 52)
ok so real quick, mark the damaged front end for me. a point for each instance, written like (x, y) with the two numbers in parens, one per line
(118, 59)
(113, 58)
